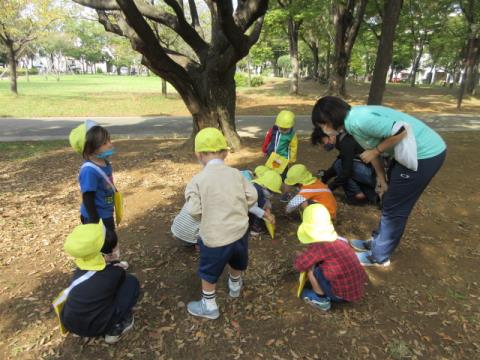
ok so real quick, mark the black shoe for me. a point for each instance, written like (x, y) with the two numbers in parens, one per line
(119, 329)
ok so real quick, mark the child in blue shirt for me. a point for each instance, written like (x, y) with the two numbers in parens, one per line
(93, 142)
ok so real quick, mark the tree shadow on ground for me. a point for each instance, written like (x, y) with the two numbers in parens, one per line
(419, 306)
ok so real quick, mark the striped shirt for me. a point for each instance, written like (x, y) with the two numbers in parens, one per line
(185, 227)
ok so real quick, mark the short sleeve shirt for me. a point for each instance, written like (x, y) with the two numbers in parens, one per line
(91, 180)
(371, 124)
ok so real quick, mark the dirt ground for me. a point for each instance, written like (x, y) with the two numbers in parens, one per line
(273, 96)
(425, 306)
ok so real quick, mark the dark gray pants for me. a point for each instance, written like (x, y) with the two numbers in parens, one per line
(405, 188)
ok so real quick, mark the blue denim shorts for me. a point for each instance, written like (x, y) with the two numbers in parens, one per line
(325, 285)
(213, 260)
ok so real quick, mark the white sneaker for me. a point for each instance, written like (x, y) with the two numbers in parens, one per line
(235, 293)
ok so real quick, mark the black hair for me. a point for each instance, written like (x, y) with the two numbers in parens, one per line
(110, 243)
(317, 135)
(330, 110)
(95, 137)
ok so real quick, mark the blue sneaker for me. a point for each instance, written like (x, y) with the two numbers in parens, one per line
(198, 308)
(366, 259)
(361, 245)
(319, 302)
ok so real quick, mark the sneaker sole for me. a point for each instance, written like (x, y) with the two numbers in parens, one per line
(210, 317)
(316, 306)
(114, 339)
(358, 249)
(234, 294)
(373, 264)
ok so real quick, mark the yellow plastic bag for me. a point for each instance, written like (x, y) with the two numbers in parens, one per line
(277, 162)
(60, 300)
(119, 206)
(270, 228)
(58, 306)
(302, 280)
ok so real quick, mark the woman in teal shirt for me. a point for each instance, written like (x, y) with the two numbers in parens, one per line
(379, 129)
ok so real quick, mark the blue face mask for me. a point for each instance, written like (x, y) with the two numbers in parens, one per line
(329, 147)
(106, 154)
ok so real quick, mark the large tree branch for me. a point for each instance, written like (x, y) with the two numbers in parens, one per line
(194, 16)
(357, 14)
(234, 25)
(249, 11)
(107, 24)
(182, 28)
(144, 41)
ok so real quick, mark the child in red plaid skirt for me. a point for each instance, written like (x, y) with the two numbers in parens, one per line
(333, 269)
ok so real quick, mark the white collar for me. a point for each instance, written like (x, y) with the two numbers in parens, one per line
(214, 161)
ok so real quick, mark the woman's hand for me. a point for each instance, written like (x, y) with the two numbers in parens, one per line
(368, 155)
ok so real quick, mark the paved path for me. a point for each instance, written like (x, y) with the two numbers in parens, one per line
(162, 126)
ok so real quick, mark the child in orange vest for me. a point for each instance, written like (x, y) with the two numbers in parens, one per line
(311, 190)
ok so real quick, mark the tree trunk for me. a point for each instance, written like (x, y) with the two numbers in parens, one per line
(12, 62)
(472, 63)
(328, 61)
(314, 49)
(433, 72)
(347, 19)
(249, 71)
(391, 14)
(468, 75)
(164, 88)
(416, 64)
(293, 28)
(276, 71)
(214, 104)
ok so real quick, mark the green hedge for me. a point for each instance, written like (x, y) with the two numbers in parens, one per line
(22, 72)
(256, 81)
(241, 80)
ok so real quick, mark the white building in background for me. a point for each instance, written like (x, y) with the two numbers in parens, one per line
(426, 73)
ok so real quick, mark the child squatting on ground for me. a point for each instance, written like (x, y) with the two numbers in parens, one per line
(103, 295)
(266, 184)
(92, 141)
(220, 196)
(311, 190)
(282, 139)
(333, 270)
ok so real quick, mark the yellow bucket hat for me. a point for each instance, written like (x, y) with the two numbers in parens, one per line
(260, 170)
(210, 140)
(285, 119)
(84, 244)
(299, 174)
(316, 226)
(78, 135)
(271, 180)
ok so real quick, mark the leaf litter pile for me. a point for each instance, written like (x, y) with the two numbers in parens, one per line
(425, 305)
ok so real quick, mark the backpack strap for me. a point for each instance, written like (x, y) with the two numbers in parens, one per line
(100, 172)
(63, 296)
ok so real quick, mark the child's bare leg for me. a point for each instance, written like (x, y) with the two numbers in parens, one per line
(313, 281)
(208, 287)
(235, 273)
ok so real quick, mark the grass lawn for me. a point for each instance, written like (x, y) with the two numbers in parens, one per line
(104, 95)
(22, 150)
